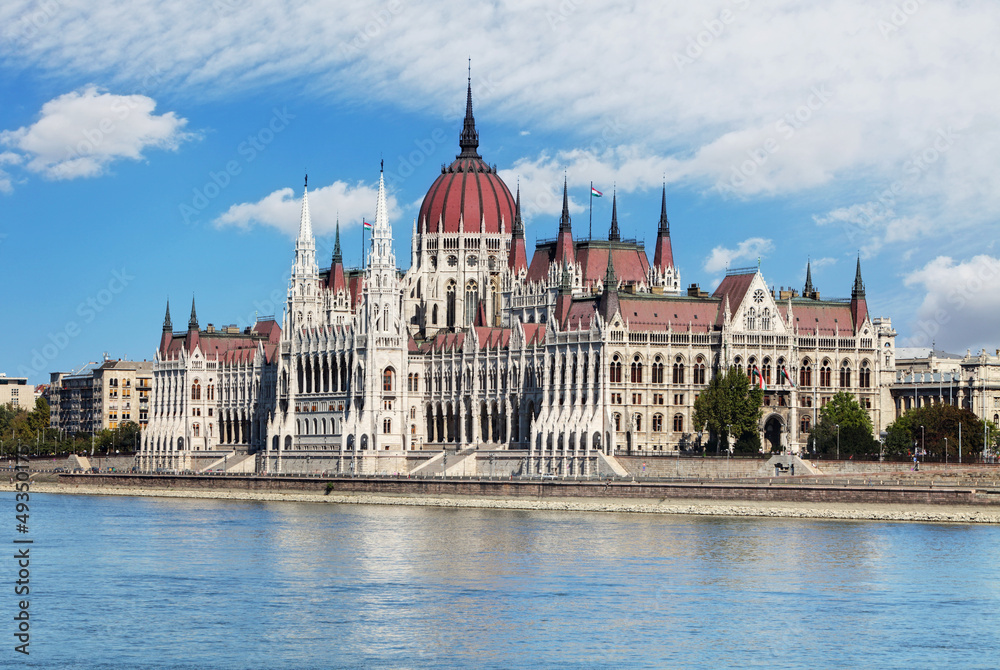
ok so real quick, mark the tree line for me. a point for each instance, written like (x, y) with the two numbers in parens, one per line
(31, 431)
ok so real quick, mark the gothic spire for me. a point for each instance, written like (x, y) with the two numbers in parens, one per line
(564, 220)
(469, 139)
(566, 284)
(167, 325)
(808, 289)
(193, 321)
(609, 304)
(518, 223)
(615, 234)
(610, 280)
(337, 256)
(305, 222)
(859, 286)
(664, 222)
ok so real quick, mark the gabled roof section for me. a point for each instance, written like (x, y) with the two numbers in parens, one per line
(735, 287)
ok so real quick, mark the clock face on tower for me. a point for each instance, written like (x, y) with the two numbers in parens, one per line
(758, 296)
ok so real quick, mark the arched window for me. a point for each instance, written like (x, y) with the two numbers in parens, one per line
(387, 426)
(657, 370)
(678, 423)
(618, 422)
(637, 370)
(637, 420)
(865, 376)
(765, 371)
(699, 371)
(471, 302)
(451, 297)
(196, 390)
(616, 371)
(210, 392)
(387, 379)
(751, 319)
(765, 319)
(825, 374)
(806, 424)
(197, 429)
(434, 315)
(657, 423)
(845, 374)
(678, 370)
(806, 374)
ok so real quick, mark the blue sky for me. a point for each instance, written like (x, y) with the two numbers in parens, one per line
(150, 151)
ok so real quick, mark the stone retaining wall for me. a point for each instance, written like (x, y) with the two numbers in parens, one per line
(556, 489)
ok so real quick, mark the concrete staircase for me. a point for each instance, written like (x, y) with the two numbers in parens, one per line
(785, 464)
(233, 462)
(611, 463)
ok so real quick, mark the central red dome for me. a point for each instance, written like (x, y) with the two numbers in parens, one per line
(469, 195)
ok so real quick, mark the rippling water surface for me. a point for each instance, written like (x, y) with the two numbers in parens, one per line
(168, 583)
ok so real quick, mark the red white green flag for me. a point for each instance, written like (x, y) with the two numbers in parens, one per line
(784, 373)
(758, 379)
(368, 226)
(594, 193)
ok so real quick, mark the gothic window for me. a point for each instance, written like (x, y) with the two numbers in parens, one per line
(387, 426)
(699, 371)
(678, 370)
(865, 376)
(806, 424)
(452, 261)
(471, 302)
(451, 304)
(658, 370)
(637, 370)
(765, 370)
(618, 422)
(637, 419)
(678, 423)
(765, 319)
(210, 392)
(657, 423)
(197, 429)
(805, 374)
(616, 370)
(196, 390)
(387, 379)
(434, 315)
(385, 318)
(751, 319)
(825, 374)
(845, 375)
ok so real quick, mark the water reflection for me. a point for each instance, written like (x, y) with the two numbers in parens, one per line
(204, 583)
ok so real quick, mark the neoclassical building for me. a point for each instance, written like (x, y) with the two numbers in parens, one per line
(580, 352)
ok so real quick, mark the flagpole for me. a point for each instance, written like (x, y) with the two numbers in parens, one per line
(362, 243)
(591, 210)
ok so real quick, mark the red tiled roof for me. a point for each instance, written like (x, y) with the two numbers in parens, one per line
(652, 312)
(469, 191)
(534, 333)
(734, 286)
(812, 314)
(631, 264)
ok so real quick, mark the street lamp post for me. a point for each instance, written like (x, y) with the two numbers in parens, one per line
(946, 449)
(923, 443)
(838, 441)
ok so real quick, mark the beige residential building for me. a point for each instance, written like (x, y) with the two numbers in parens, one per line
(17, 392)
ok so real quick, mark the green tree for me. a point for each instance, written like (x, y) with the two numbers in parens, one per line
(844, 422)
(940, 427)
(730, 403)
(38, 418)
(899, 439)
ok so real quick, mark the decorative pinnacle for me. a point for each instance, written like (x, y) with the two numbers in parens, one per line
(610, 280)
(615, 235)
(337, 257)
(808, 289)
(564, 220)
(167, 325)
(859, 286)
(193, 321)
(518, 223)
(664, 222)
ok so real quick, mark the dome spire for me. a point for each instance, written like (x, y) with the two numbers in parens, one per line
(615, 234)
(469, 139)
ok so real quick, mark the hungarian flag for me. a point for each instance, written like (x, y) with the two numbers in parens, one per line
(784, 373)
(594, 193)
(758, 379)
(368, 226)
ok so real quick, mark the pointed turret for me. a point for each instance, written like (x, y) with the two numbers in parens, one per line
(808, 289)
(663, 256)
(381, 245)
(565, 252)
(305, 222)
(615, 235)
(168, 328)
(609, 297)
(336, 280)
(517, 259)
(859, 306)
(193, 321)
(469, 139)
(193, 338)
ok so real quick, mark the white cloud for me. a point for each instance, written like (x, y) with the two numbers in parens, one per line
(80, 133)
(282, 209)
(961, 305)
(747, 250)
(7, 158)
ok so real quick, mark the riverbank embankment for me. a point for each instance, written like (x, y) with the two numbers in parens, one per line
(608, 502)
